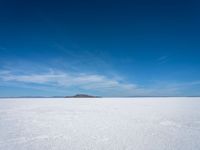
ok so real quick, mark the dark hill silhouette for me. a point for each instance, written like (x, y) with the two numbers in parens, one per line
(81, 96)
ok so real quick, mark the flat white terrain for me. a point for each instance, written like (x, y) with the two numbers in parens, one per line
(100, 124)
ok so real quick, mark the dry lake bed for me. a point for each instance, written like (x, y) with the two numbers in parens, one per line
(100, 124)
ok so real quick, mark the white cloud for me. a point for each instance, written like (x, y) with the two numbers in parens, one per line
(94, 82)
(101, 84)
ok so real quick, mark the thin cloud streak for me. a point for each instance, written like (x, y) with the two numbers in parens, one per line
(101, 84)
(67, 80)
(162, 59)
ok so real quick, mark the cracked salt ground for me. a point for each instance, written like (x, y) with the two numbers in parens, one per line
(100, 124)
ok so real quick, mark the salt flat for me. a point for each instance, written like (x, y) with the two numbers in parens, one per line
(100, 124)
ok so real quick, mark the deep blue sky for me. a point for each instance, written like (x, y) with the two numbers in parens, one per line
(100, 47)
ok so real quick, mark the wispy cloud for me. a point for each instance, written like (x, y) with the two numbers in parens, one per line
(101, 84)
(94, 82)
(81, 60)
(162, 59)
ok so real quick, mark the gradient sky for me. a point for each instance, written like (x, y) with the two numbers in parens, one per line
(100, 47)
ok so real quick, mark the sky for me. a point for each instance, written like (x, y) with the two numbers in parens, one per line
(99, 47)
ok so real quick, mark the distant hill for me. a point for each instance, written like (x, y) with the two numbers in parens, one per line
(81, 96)
(75, 96)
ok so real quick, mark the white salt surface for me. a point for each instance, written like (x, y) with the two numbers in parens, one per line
(100, 124)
